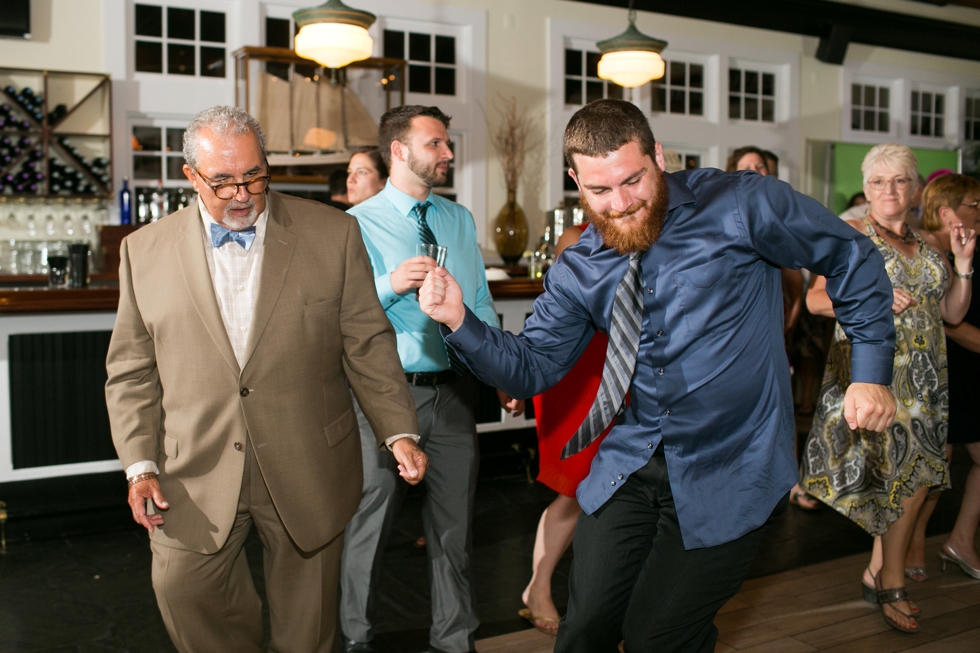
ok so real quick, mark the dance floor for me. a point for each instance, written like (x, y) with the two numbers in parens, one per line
(819, 608)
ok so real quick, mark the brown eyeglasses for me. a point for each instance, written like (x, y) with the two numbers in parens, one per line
(228, 190)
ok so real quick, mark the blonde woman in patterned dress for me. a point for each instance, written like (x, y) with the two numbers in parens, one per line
(880, 480)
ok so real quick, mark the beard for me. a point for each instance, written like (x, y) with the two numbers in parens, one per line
(430, 175)
(647, 220)
(236, 223)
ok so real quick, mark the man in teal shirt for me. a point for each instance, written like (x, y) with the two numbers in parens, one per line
(415, 144)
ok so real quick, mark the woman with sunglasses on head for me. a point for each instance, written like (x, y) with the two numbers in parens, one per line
(880, 480)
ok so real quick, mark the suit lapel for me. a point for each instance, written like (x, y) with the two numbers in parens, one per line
(279, 246)
(194, 268)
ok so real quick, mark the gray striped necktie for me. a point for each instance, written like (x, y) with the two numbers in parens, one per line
(624, 342)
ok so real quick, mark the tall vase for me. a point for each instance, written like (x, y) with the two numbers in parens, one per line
(510, 230)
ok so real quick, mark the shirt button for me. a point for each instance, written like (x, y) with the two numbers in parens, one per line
(620, 477)
(660, 332)
(650, 446)
(614, 483)
(660, 371)
(649, 291)
(238, 446)
(243, 392)
(667, 413)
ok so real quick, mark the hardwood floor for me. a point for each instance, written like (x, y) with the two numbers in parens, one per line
(819, 608)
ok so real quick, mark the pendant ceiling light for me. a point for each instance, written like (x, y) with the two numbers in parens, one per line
(632, 58)
(333, 34)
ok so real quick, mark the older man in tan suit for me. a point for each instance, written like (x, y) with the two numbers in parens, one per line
(240, 317)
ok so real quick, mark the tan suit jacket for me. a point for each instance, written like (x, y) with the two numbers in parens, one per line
(176, 393)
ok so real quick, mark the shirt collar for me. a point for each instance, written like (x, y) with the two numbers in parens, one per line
(207, 220)
(679, 192)
(403, 202)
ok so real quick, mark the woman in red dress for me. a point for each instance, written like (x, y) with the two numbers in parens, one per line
(558, 413)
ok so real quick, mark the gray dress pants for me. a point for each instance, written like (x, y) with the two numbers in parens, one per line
(448, 437)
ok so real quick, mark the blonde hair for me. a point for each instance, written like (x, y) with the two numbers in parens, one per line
(891, 155)
(948, 190)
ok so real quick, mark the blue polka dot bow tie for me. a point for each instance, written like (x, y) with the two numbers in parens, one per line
(220, 235)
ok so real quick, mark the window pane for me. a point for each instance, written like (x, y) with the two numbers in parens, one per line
(925, 125)
(882, 97)
(927, 103)
(149, 20)
(769, 110)
(658, 101)
(147, 167)
(751, 82)
(592, 64)
(213, 26)
(735, 106)
(212, 62)
(869, 96)
(419, 79)
(915, 100)
(175, 139)
(419, 47)
(768, 84)
(883, 121)
(976, 108)
(445, 81)
(678, 73)
(939, 127)
(180, 59)
(149, 57)
(976, 131)
(180, 23)
(914, 125)
(305, 71)
(696, 72)
(175, 168)
(969, 107)
(146, 139)
(855, 95)
(573, 62)
(940, 108)
(696, 101)
(751, 108)
(678, 98)
(734, 80)
(593, 91)
(855, 119)
(869, 120)
(277, 33)
(692, 162)
(573, 90)
(394, 44)
(446, 49)
(614, 91)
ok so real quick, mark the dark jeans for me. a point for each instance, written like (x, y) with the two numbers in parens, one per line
(632, 579)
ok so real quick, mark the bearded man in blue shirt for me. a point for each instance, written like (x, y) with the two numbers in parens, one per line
(414, 143)
(683, 272)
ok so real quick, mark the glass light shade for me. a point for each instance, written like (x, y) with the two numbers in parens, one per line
(631, 68)
(333, 45)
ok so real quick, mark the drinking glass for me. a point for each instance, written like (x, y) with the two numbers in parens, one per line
(58, 271)
(437, 252)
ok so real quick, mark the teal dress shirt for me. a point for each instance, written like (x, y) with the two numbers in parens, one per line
(390, 228)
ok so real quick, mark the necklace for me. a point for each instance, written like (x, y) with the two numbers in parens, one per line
(907, 237)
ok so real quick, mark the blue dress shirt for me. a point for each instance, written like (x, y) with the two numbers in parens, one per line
(712, 379)
(391, 231)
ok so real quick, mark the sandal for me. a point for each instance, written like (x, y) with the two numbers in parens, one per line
(887, 597)
(918, 574)
(871, 595)
(796, 496)
(534, 619)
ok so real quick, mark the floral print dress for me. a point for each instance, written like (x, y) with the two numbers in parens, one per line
(865, 475)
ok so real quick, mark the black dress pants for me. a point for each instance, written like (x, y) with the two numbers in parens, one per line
(632, 579)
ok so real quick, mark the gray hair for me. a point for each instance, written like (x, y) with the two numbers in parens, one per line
(221, 120)
(893, 156)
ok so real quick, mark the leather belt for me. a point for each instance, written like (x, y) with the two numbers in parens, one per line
(431, 378)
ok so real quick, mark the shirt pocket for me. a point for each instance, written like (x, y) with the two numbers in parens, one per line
(707, 295)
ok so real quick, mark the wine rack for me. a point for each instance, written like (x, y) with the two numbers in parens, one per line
(55, 134)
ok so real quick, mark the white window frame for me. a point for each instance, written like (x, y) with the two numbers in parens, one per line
(780, 97)
(951, 130)
(159, 123)
(973, 94)
(709, 89)
(584, 46)
(164, 40)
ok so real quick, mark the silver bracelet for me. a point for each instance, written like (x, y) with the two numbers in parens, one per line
(968, 275)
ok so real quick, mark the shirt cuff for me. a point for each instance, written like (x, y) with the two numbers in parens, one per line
(386, 294)
(390, 441)
(142, 467)
(872, 363)
(468, 337)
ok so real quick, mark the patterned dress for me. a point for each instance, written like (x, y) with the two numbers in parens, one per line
(864, 475)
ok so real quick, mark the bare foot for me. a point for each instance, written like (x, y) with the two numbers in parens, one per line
(901, 613)
(545, 614)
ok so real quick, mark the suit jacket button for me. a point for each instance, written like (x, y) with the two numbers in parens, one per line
(238, 446)
(243, 392)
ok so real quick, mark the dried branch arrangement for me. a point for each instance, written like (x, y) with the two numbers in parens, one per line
(510, 139)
